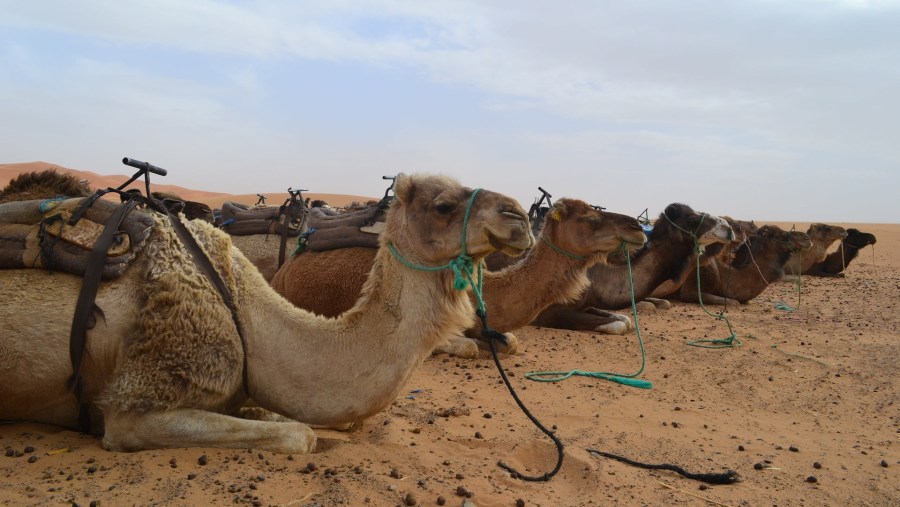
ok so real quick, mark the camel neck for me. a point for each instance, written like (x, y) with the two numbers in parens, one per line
(652, 265)
(517, 294)
(371, 349)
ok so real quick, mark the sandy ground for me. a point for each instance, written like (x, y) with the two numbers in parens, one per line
(810, 394)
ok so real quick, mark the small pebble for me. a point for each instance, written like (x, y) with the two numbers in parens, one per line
(192, 476)
(202, 460)
(740, 447)
(10, 453)
(884, 463)
(33, 458)
(395, 473)
(817, 465)
(703, 487)
(520, 503)
(460, 477)
(771, 379)
(461, 491)
(794, 448)
(478, 434)
(410, 500)
(311, 467)
(28, 449)
(812, 479)
(488, 415)
(758, 466)
(441, 500)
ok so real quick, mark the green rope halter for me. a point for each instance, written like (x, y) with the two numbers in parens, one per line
(717, 343)
(462, 266)
(560, 250)
(626, 379)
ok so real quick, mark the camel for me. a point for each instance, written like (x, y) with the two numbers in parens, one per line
(757, 262)
(821, 236)
(164, 361)
(46, 184)
(669, 255)
(574, 238)
(836, 262)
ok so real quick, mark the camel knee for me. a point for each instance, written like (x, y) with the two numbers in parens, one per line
(660, 304)
(644, 306)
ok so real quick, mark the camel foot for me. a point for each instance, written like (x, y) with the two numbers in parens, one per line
(645, 306)
(458, 346)
(618, 327)
(511, 346)
(660, 304)
(199, 428)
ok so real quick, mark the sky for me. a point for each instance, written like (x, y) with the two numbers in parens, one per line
(757, 109)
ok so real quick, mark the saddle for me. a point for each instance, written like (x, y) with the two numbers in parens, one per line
(352, 229)
(41, 234)
(242, 220)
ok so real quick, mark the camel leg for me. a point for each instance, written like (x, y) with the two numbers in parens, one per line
(611, 315)
(660, 304)
(254, 413)
(579, 320)
(511, 346)
(186, 427)
(715, 299)
(458, 346)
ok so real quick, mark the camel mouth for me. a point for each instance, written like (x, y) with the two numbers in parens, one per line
(633, 241)
(505, 247)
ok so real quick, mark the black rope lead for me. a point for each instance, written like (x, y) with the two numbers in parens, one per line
(490, 335)
(728, 477)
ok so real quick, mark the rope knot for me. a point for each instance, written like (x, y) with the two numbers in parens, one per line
(462, 268)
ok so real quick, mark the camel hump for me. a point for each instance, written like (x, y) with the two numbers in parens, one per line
(38, 234)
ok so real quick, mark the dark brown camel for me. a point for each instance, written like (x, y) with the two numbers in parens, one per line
(756, 263)
(836, 262)
(46, 184)
(668, 255)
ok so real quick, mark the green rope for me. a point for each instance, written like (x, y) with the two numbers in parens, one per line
(620, 378)
(560, 250)
(462, 266)
(716, 343)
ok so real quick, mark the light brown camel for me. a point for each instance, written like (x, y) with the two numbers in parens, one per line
(164, 365)
(669, 254)
(836, 262)
(573, 238)
(46, 184)
(755, 264)
(821, 236)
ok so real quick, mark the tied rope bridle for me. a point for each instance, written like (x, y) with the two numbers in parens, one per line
(464, 275)
(716, 343)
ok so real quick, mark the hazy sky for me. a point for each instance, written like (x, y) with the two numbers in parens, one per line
(758, 109)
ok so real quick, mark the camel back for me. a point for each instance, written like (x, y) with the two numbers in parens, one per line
(38, 234)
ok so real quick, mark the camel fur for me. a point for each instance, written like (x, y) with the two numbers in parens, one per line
(164, 365)
(328, 283)
(46, 184)
(668, 255)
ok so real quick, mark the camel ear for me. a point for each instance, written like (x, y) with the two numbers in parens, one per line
(558, 211)
(404, 188)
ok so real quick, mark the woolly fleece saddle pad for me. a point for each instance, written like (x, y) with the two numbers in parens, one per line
(37, 234)
(242, 220)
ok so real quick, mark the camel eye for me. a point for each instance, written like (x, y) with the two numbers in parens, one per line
(444, 208)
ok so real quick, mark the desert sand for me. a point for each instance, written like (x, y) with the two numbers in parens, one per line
(806, 411)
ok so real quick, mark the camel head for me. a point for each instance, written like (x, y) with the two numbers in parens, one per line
(859, 239)
(708, 229)
(826, 234)
(579, 228)
(425, 221)
(787, 241)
